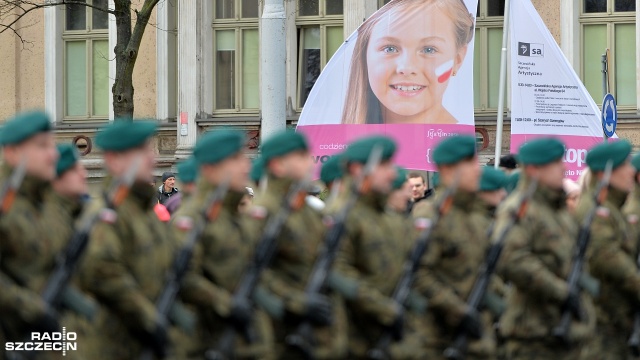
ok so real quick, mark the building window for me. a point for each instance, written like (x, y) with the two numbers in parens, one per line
(486, 59)
(86, 62)
(236, 61)
(320, 34)
(381, 3)
(609, 24)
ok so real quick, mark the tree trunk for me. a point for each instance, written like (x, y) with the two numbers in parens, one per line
(126, 52)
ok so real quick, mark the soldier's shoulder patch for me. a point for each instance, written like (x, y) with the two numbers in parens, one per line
(258, 212)
(602, 212)
(422, 223)
(184, 223)
(632, 218)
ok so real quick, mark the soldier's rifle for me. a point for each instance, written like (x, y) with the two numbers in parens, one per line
(265, 251)
(561, 331)
(634, 339)
(411, 266)
(302, 339)
(458, 349)
(196, 227)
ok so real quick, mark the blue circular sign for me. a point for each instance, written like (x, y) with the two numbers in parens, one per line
(609, 115)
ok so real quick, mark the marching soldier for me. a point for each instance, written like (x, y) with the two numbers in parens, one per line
(400, 196)
(27, 251)
(127, 259)
(491, 192)
(632, 206)
(63, 207)
(613, 250)
(537, 259)
(224, 249)
(373, 251)
(457, 248)
(286, 160)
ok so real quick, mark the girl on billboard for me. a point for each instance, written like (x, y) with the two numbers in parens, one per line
(402, 62)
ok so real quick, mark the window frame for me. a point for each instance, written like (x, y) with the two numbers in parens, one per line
(323, 22)
(610, 19)
(88, 35)
(484, 22)
(238, 25)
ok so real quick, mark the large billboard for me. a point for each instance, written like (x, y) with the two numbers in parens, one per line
(406, 72)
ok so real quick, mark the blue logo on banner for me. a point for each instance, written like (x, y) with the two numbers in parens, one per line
(609, 115)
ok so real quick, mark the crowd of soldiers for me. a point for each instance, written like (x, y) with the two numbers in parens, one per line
(467, 274)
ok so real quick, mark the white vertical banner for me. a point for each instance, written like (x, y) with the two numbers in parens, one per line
(547, 96)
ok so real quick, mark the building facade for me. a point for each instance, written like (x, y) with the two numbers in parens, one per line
(198, 65)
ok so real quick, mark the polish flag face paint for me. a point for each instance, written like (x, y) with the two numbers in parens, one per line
(443, 72)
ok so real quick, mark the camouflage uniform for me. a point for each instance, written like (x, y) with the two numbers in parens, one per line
(457, 248)
(536, 259)
(373, 251)
(219, 260)
(61, 214)
(299, 244)
(612, 257)
(28, 255)
(124, 268)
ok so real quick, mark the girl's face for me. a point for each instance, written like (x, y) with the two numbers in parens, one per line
(410, 57)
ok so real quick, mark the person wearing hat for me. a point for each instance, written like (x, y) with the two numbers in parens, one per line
(401, 193)
(537, 258)
(457, 248)
(508, 163)
(187, 174)
(613, 249)
(167, 189)
(214, 274)
(331, 175)
(128, 257)
(28, 254)
(373, 251)
(63, 208)
(286, 161)
(491, 191)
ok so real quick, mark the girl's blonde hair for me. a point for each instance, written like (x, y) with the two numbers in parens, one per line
(361, 104)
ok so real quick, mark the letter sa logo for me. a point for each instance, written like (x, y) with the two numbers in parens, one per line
(530, 49)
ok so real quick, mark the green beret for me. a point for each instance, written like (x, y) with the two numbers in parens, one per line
(218, 145)
(124, 135)
(188, 170)
(331, 169)
(512, 181)
(68, 157)
(257, 170)
(616, 151)
(435, 180)
(401, 178)
(359, 150)
(541, 151)
(23, 126)
(281, 144)
(635, 161)
(492, 179)
(454, 149)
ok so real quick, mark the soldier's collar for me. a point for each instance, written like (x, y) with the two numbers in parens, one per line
(231, 200)
(555, 198)
(278, 186)
(616, 197)
(464, 200)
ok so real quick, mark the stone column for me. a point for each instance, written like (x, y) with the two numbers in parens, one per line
(189, 18)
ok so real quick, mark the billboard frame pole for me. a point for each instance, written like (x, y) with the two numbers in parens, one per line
(503, 81)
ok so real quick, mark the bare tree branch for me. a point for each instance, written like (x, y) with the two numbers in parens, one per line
(8, 8)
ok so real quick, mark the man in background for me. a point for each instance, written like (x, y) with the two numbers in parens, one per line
(419, 190)
(167, 189)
